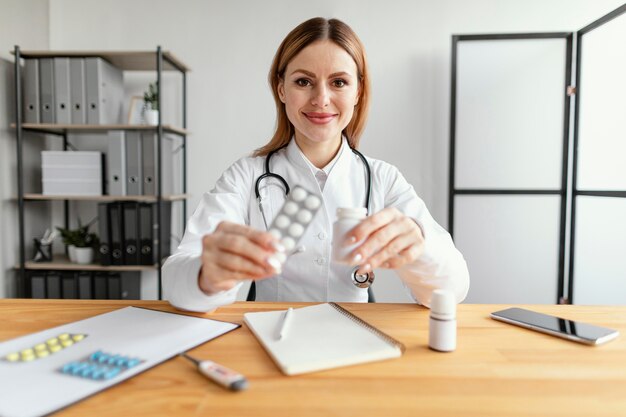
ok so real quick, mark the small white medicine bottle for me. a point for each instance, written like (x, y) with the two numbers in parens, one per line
(347, 219)
(442, 325)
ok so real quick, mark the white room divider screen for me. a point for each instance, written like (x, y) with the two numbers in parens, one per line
(598, 238)
(509, 159)
(508, 170)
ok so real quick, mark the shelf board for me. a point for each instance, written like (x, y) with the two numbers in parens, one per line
(105, 198)
(125, 60)
(61, 128)
(62, 263)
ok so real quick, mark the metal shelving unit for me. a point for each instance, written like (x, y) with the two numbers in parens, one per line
(157, 61)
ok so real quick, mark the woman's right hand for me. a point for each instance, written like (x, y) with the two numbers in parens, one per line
(234, 252)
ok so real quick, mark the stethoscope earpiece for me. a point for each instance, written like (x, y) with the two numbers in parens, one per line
(362, 280)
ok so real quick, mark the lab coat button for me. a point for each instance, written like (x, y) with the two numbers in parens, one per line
(321, 235)
(320, 261)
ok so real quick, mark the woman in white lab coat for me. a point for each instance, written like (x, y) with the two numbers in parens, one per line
(320, 83)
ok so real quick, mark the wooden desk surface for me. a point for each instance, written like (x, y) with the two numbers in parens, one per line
(497, 369)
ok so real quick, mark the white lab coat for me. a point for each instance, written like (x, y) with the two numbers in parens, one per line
(310, 275)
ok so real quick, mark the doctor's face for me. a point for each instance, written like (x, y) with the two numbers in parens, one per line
(320, 89)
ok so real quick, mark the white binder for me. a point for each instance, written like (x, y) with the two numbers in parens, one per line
(104, 92)
(116, 163)
(31, 91)
(134, 169)
(77, 91)
(46, 90)
(62, 90)
(71, 172)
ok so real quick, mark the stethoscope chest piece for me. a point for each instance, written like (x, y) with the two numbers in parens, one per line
(362, 280)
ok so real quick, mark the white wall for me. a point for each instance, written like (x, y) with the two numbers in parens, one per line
(229, 46)
(23, 23)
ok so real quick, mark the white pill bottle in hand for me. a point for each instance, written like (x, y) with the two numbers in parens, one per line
(347, 219)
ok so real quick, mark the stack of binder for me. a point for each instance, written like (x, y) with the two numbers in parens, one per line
(72, 172)
(85, 285)
(72, 91)
(132, 164)
(131, 231)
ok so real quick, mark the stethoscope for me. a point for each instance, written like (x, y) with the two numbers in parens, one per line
(360, 280)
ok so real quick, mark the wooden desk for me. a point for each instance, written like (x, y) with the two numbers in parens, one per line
(497, 369)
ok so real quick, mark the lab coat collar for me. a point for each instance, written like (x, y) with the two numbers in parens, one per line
(297, 157)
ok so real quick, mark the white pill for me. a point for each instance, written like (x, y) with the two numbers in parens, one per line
(282, 221)
(281, 257)
(298, 194)
(276, 233)
(304, 216)
(290, 208)
(312, 202)
(288, 243)
(275, 263)
(296, 230)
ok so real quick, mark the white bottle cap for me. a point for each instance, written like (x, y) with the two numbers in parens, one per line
(443, 305)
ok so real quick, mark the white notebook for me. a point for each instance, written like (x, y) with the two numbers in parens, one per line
(319, 337)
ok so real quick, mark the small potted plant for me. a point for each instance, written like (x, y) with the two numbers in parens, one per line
(80, 242)
(151, 104)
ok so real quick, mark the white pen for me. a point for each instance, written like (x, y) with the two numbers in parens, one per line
(220, 374)
(285, 325)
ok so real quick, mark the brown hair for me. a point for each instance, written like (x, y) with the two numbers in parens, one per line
(304, 34)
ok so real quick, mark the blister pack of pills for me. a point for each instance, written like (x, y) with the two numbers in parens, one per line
(45, 348)
(100, 366)
(294, 218)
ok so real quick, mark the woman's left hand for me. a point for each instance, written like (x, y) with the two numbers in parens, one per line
(390, 240)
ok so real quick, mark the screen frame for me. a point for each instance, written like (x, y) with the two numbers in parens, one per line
(561, 192)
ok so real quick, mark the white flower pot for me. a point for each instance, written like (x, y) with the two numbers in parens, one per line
(151, 117)
(84, 255)
(71, 251)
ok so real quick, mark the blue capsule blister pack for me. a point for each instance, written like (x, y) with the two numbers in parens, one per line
(100, 366)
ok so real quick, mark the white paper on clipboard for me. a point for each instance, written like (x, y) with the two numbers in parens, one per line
(36, 388)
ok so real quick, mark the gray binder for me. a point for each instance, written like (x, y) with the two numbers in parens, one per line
(62, 90)
(130, 211)
(105, 234)
(84, 285)
(152, 231)
(130, 285)
(133, 163)
(150, 173)
(38, 285)
(163, 230)
(77, 91)
(53, 285)
(114, 290)
(46, 90)
(104, 92)
(69, 285)
(31, 91)
(115, 232)
(100, 285)
(116, 163)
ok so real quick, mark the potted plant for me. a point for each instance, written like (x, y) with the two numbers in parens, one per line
(151, 103)
(80, 242)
